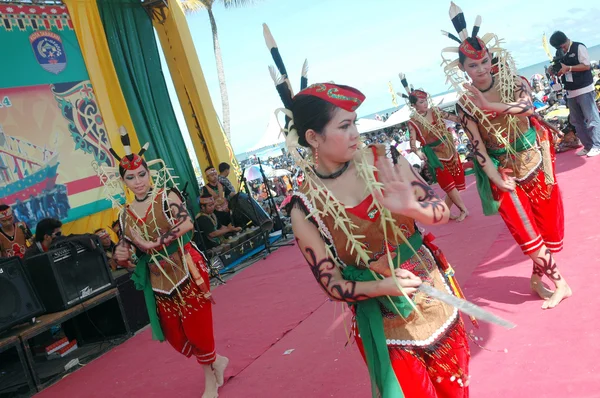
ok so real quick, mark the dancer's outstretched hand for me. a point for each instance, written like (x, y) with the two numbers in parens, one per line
(477, 96)
(398, 194)
(507, 183)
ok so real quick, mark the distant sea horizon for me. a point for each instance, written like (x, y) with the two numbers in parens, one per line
(527, 71)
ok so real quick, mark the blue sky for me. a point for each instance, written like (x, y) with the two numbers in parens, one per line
(360, 43)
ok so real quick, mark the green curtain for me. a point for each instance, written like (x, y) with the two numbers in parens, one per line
(134, 52)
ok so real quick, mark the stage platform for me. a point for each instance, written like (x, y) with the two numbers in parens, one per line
(286, 339)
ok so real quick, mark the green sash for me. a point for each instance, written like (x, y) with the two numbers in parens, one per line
(433, 162)
(141, 279)
(490, 206)
(370, 323)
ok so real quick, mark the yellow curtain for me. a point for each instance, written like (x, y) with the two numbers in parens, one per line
(210, 143)
(92, 41)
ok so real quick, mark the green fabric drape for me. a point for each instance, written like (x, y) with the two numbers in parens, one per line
(134, 52)
(370, 323)
(433, 162)
(141, 280)
(484, 187)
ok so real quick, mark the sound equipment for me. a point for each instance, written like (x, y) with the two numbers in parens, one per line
(70, 273)
(134, 304)
(18, 300)
(244, 209)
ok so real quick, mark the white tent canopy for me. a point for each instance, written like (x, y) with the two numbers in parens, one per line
(398, 117)
(272, 135)
(368, 125)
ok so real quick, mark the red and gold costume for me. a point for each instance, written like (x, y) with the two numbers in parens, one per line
(429, 353)
(174, 277)
(435, 136)
(180, 284)
(534, 211)
(517, 146)
(15, 244)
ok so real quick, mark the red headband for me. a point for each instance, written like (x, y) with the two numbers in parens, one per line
(469, 51)
(131, 162)
(344, 97)
(6, 214)
(420, 94)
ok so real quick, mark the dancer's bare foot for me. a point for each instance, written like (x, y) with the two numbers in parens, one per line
(463, 214)
(538, 287)
(562, 292)
(210, 383)
(219, 368)
(453, 217)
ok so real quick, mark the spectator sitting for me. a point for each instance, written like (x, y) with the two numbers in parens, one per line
(209, 225)
(47, 231)
(108, 246)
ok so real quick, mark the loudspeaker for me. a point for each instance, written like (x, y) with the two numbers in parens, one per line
(18, 300)
(70, 273)
(134, 304)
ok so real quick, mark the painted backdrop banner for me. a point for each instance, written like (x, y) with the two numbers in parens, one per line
(51, 130)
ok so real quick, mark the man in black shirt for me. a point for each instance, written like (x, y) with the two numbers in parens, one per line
(219, 193)
(211, 229)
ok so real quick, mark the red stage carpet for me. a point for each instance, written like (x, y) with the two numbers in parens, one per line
(275, 306)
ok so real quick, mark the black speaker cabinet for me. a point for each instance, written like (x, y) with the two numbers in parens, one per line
(69, 274)
(18, 300)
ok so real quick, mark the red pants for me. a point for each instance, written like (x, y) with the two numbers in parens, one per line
(186, 320)
(533, 216)
(452, 176)
(432, 372)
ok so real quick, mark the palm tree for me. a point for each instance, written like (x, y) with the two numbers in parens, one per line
(190, 6)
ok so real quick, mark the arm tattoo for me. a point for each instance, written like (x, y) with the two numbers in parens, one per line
(323, 271)
(464, 122)
(546, 266)
(524, 103)
(428, 198)
(180, 215)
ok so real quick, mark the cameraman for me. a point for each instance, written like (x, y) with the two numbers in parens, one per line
(578, 81)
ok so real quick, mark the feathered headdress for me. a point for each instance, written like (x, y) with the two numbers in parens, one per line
(130, 161)
(472, 47)
(410, 91)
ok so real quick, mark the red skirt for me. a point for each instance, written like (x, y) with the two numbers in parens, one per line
(452, 176)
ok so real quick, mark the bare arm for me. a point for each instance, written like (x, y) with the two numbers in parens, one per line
(523, 106)
(450, 116)
(330, 277)
(413, 142)
(479, 152)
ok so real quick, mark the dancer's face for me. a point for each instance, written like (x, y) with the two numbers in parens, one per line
(138, 181)
(421, 105)
(339, 139)
(478, 70)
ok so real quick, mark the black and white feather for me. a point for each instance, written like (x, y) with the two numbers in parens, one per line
(476, 26)
(459, 22)
(304, 78)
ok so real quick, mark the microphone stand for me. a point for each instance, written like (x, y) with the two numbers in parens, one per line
(274, 211)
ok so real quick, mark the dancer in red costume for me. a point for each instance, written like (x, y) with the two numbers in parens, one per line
(427, 126)
(170, 269)
(13, 235)
(513, 150)
(367, 251)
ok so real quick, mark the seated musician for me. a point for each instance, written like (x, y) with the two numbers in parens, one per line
(224, 169)
(13, 235)
(109, 247)
(220, 193)
(209, 225)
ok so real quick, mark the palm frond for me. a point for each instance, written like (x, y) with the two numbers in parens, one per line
(190, 6)
(237, 3)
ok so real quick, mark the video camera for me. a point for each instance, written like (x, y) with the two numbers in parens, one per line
(555, 64)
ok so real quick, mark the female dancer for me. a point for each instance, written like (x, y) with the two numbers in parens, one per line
(367, 251)
(170, 269)
(513, 150)
(427, 126)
